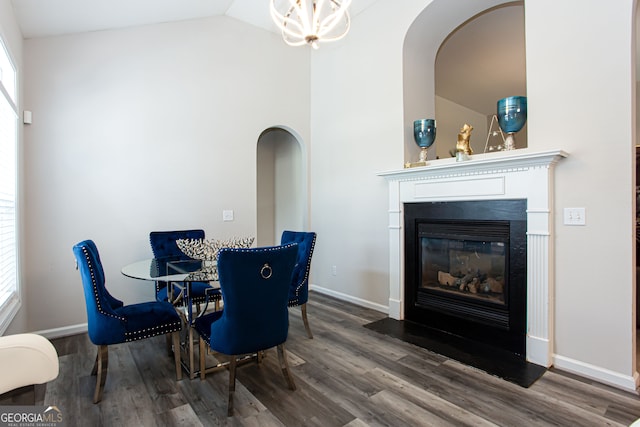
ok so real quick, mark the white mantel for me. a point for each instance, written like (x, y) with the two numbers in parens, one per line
(518, 174)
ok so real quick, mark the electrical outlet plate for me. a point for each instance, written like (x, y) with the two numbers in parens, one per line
(227, 215)
(574, 216)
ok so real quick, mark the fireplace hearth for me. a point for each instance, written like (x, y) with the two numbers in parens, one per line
(465, 269)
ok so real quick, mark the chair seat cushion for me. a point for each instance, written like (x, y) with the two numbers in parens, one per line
(203, 324)
(149, 319)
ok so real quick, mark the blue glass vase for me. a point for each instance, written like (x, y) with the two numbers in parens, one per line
(512, 115)
(424, 133)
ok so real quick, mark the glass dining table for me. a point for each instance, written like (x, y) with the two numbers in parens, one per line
(179, 274)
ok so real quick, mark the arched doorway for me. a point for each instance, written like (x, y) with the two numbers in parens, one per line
(281, 185)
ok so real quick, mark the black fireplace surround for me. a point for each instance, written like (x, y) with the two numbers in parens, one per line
(466, 270)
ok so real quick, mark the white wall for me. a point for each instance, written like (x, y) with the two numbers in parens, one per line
(580, 90)
(142, 129)
(450, 118)
(595, 271)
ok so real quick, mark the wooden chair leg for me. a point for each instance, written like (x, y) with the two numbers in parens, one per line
(303, 308)
(176, 354)
(284, 365)
(232, 384)
(100, 369)
(169, 345)
(203, 356)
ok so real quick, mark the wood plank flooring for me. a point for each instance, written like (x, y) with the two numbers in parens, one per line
(346, 376)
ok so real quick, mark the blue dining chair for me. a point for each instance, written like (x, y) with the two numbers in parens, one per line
(299, 287)
(112, 322)
(255, 317)
(164, 246)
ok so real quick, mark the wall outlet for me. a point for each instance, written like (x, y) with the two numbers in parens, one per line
(574, 216)
(334, 270)
(227, 215)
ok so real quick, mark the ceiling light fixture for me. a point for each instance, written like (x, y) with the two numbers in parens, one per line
(311, 21)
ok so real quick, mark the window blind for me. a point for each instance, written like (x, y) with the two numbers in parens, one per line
(9, 292)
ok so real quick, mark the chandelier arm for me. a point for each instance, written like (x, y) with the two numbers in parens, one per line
(331, 22)
(318, 11)
(335, 18)
(311, 21)
(285, 23)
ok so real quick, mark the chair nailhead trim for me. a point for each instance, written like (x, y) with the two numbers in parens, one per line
(294, 302)
(95, 286)
(152, 332)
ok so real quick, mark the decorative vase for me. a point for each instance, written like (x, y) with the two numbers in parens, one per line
(512, 115)
(424, 133)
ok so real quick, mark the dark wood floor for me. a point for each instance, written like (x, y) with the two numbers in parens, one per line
(346, 376)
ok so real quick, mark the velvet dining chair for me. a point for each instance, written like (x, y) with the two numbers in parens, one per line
(164, 247)
(299, 286)
(255, 317)
(112, 322)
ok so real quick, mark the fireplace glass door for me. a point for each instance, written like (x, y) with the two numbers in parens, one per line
(465, 268)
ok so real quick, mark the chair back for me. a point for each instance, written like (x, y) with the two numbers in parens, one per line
(254, 284)
(163, 243)
(165, 248)
(104, 324)
(299, 287)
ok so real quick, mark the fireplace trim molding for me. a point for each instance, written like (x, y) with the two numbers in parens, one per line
(518, 174)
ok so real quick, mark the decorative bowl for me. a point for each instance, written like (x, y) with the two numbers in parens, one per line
(207, 250)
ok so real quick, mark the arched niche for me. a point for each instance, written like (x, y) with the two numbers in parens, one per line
(431, 28)
(281, 175)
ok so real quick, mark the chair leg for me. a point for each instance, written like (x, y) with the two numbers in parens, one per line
(100, 369)
(203, 356)
(303, 308)
(169, 345)
(176, 354)
(284, 365)
(232, 384)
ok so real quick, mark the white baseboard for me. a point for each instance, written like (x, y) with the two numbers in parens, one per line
(344, 297)
(605, 376)
(64, 331)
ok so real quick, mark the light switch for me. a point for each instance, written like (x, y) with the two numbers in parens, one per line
(227, 215)
(574, 216)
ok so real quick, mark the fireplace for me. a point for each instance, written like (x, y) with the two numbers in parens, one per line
(465, 269)
(509, 175)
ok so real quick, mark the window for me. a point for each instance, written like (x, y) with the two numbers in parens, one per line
(9, 293)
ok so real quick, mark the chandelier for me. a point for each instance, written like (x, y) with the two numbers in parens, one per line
(311, 21)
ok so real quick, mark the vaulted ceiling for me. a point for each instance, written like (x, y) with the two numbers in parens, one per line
(42, 18)
(486, 53)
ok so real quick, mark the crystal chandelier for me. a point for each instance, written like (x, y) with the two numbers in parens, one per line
(311, 21)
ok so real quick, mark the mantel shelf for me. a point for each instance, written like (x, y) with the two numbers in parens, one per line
(479, 163)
